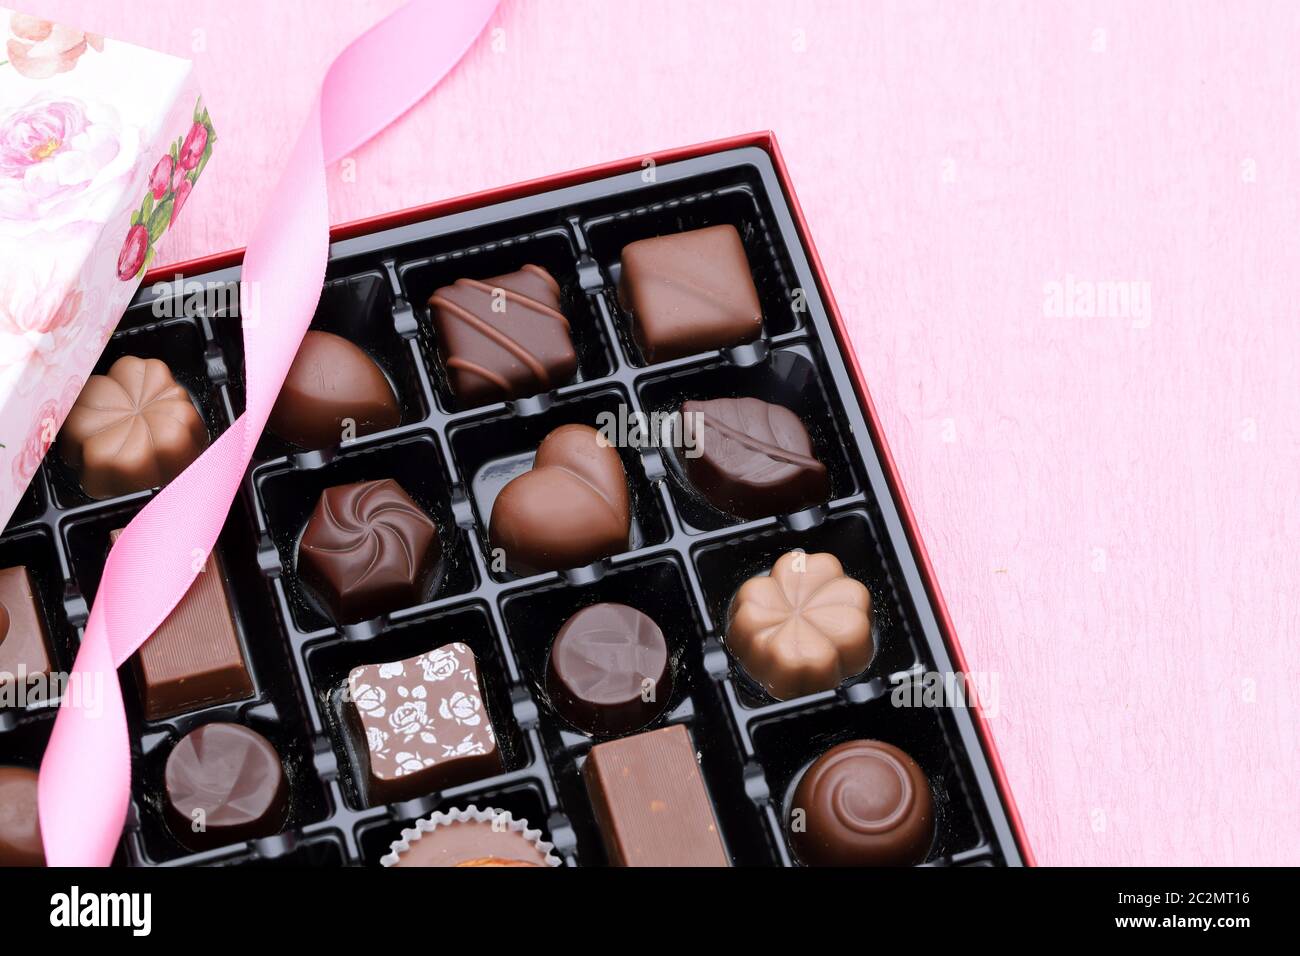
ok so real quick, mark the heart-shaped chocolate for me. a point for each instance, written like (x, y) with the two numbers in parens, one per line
(570, 510)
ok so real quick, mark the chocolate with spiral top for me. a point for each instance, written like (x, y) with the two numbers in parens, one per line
(503, 337)
(862, 803)
(368, 549)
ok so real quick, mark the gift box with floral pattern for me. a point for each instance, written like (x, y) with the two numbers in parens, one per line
(101, 144)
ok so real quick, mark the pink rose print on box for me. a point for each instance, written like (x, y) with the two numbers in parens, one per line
(170, 183)
(195, 145)
(63, 162)
(46, 310)
(422, 723)
(44, 428)
(35, 302)
(39, 49)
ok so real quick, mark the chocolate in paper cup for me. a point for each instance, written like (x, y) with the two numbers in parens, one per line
(504, 830)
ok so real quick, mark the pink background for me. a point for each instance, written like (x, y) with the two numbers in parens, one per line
(1112, 505)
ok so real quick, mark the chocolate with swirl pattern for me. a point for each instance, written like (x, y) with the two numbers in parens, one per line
(504, 337)
(368, 549)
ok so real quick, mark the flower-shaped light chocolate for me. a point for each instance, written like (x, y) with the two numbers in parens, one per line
(803, 628)
(132, 429)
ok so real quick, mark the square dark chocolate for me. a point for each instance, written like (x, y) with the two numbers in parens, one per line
(195, 658)
(504, 337)
(689, 292)
(24, 642)
(422, 724)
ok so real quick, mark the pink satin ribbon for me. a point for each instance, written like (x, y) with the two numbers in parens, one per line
(85, 780)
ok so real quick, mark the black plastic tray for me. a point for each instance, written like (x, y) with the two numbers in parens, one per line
(686, 562)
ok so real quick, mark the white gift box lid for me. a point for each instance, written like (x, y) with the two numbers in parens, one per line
(101, 143)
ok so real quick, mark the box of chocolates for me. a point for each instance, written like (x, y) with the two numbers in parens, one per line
(573, 540)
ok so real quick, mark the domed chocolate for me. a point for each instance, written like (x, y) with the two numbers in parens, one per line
(368, 549)
(333, 388)
(862, 803)
(224, 783)
(132, 429)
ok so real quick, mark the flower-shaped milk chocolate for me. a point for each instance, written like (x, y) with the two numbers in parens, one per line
(803, 628)
(132, 429)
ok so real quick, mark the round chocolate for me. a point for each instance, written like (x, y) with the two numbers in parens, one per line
(332, 382)
(608, 669)
(862, 803)
(471, 843)
(224, 784)
(20, 830)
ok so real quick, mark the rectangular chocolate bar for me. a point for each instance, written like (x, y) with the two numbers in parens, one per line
(650, 801)
(195, 658)
(24, 644)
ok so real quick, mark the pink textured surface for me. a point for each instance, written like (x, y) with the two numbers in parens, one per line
(1112, 503)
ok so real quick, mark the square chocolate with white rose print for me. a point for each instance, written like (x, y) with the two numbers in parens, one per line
(421, 724)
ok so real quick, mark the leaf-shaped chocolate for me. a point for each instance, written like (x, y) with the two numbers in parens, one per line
(751, 458)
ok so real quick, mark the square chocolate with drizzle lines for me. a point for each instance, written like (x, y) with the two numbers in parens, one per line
(504, 337)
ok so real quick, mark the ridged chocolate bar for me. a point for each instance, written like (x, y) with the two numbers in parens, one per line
(24, 643)
(194, 659)
(650, 801)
